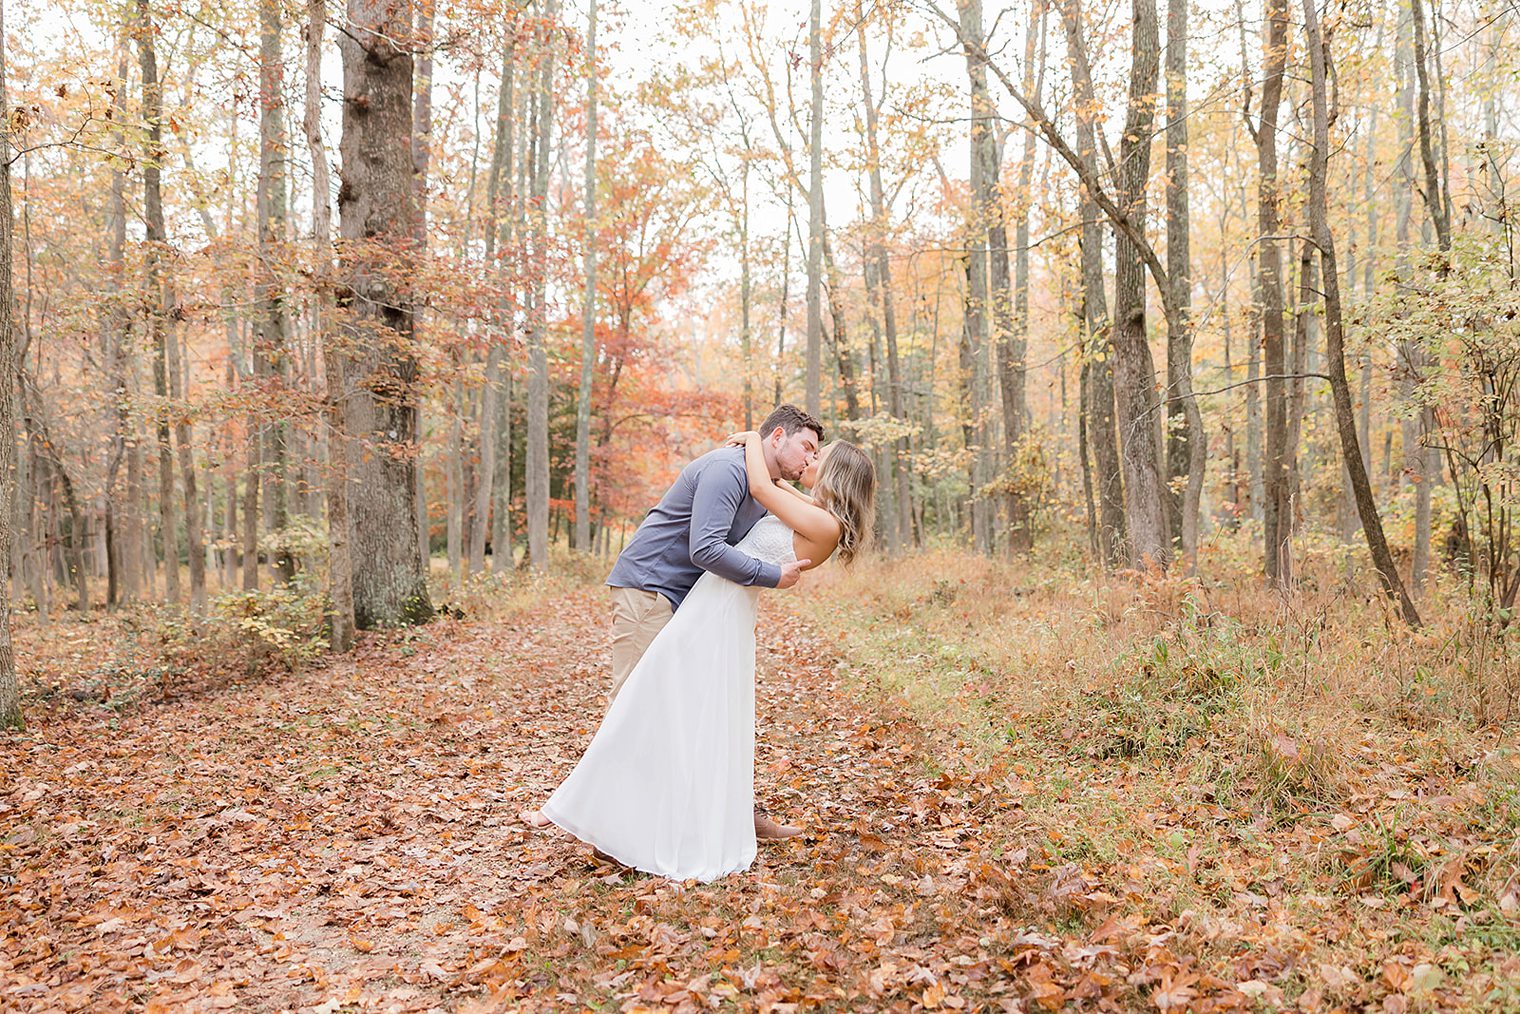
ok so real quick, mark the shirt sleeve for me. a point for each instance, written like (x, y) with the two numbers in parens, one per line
(719, 493)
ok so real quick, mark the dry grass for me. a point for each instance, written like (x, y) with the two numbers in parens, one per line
(1222, 754)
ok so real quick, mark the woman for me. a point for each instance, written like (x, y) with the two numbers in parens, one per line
(667, 785)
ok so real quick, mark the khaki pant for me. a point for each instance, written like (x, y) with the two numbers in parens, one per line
(637, 616)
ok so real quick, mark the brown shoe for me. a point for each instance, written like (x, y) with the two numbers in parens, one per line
(603, 857)
(768, 830)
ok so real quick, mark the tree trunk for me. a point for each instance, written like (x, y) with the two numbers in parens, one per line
(453, 470)
(340, 572)
(786, 282)
(504, 534)
(422, 150)
(843, 359)
(1425, 461)
(536, 474)
(815, 216)
(252, 446)
(1006, 335)
(153, 215)
(1013, 347)
(983, 163)
(490, 400)
(1436, 201)
(10, 694)
(1134, 369)
(1098, 357)
(879, 227)
(1340, 387)
(968, 383)
(195, 540)
(1278, 508)
(375, 205)
(1186, 443)
(588, 315)
(272, 339)
(124, 530)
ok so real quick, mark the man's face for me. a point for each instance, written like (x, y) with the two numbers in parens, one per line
(794, 453)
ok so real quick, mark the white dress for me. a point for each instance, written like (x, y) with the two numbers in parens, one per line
(667, 785)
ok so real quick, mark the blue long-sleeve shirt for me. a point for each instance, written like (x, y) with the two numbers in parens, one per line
(693, 528)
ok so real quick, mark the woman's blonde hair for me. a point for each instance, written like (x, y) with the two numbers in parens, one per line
(846, 488)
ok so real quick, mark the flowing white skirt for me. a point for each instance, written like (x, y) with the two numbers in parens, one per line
(667, 785)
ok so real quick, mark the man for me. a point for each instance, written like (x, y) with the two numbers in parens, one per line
(693, 529)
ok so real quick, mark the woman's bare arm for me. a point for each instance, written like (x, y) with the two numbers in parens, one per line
(796, 511)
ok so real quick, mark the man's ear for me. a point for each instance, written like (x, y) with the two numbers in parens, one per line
(778, 434)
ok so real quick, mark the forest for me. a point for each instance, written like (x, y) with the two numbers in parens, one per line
(348, 345)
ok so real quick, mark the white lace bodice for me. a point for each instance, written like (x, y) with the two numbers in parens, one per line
(770, 540)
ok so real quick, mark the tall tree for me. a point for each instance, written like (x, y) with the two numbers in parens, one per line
(1340, 387)
(195, 541)
(1278, 509)
(340, 565)
(1013, 339)
(157, 290)
(1134, 369)
(10, 695)
(498, 224)
(1098, 349)
(422, 152)
(124, 529)
(536, 474)
(902, 524)
(815, 214)
(1424, 462)
(271, 345)
(986, 205)
(1186, 445)
(375, 207)
(588, 313)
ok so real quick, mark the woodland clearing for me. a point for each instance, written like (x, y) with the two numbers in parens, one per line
(1086, 794)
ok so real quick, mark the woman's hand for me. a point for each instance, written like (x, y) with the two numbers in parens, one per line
(741, 438)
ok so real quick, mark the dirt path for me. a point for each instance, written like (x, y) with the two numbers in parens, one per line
(345, 839)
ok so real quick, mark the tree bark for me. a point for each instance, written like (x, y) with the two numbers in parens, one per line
(422, 151)
(1278, 506)
(1013, 348)
(340, 566)
(1436, 201)
(195, 540)
(124, 525)
(588, 316)
(1186, 442)
(271, 344)
(903, 523)
(1340, 387)
(10, 693)
(157, 242)
(375, 205)
(1134, 369)
(843, 359)
(815, 217)
(1425, 462)
(536, 475)
(983, 165)
(1101, 432)
(490, 401)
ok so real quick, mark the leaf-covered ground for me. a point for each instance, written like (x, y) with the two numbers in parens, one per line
(345, 838)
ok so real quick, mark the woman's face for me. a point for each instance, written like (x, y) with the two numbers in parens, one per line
(810, 473)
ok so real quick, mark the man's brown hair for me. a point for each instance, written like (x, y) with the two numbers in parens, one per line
(791, 419)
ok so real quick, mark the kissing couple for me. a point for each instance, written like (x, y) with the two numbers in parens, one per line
(667, 785)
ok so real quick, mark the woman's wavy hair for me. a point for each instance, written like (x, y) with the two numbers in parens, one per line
(846, 488)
